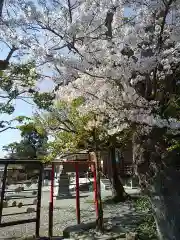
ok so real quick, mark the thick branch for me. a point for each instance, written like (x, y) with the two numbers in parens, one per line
(5, 63)
(159, 45)
(166, 11)
(70, 10)
(65, 124)
(13, 49)
(109, 20)
(1, 7)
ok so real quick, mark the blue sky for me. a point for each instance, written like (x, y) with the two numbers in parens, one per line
(12, 135)
(21, 108)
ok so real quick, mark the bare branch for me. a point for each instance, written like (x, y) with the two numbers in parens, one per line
(54, 128)
(22, 99)
(4, 129)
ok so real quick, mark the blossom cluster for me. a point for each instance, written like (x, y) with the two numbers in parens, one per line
(122, 66)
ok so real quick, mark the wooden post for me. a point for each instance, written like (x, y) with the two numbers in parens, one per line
(77, 194)
(52, 185)
(3, 188)
(51, 203)
(100, 224)
(38, 213)
(93, 167)
(99, 221)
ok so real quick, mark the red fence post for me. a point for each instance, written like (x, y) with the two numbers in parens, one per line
(51, 203)
(77, 194)
(95, 189)
(52, 185)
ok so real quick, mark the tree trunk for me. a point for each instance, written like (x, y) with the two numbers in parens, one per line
(100, 224)
(159, 176)
(118, 191)
(166, 205)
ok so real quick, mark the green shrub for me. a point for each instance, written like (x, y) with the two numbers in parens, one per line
(147, 228)
(143, 204)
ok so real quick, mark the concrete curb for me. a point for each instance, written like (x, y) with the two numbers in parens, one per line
(84, 227)
(87, 226)
(80, 227)
(53, 238)
(77, 228)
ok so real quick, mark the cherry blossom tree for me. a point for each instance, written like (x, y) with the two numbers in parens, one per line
(72, 131)
(128, 68)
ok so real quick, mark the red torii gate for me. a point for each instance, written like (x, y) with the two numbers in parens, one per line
(77, 166)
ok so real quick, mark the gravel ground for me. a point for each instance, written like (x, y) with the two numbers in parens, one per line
(65, 215)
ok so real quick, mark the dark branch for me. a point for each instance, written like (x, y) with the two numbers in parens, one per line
(1, 7)
(13, 49)
(109, 20)
(4, 129)
(5, 63)
(70, 10)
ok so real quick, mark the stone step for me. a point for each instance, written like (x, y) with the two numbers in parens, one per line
(105, 180)
(106, 184)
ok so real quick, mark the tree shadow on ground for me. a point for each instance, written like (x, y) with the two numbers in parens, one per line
(130, 199)
(70, 197)
(116, 226)
(84, 187)
(34, 238)
(19, 238)
(127, 221)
